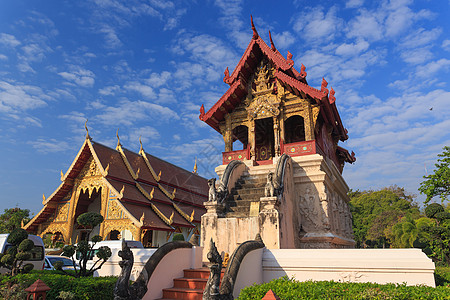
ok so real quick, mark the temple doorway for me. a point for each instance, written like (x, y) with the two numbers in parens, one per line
(147, 240)
(264, 139)
(294, 128)
(88, 201)
(240, 137)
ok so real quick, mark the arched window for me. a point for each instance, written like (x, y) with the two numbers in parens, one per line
(240, 133)
(114, 235)
(294, 130)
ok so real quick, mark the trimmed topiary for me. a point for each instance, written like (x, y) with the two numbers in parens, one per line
(178, 237)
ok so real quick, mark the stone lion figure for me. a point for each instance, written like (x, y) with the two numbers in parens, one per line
(269, 190)
(212, 194)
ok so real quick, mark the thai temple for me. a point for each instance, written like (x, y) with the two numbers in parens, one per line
(273, 122)
(140, 196)
(281, 174)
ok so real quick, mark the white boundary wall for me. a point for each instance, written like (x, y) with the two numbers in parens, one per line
(410, 266)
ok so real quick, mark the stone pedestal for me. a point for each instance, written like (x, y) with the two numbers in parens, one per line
(269, 222)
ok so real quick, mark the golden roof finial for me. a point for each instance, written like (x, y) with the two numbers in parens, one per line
(43, 198)
(87, 130)
(121, 191)
(142, 218)
(195, 166)
(142, 148)
(173, 193)
(62, 175)
(171, 218)
(106, 170)
(119, 145)
(159, 176)
(152, 192)
(192, 215)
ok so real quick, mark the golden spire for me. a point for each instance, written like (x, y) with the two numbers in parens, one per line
(43, 198)
(195, 166)
(62, 175)
(87, 130)
(141, 149)
(119, 145)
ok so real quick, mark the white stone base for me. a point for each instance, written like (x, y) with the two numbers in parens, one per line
(410, 266)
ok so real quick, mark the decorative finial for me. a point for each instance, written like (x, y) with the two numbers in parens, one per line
(87, 130)
(142, 218)
(121, 191)
(173, 193)
(255, 33)
(171, 218)
(272, 45)
(302, 71)
(226, 77)
(159, 176)
(331, 97)
(202, 112)
(195, 166)
(289, 59)
(152, 192)
(141, 149)
(191, 218)
(62, 175)
(138, 171)
(43, 198)
(324, 85)
(119, 145)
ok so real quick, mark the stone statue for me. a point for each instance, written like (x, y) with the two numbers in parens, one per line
(211, 291)
(269, 190)
(121, 289)
(212, 195)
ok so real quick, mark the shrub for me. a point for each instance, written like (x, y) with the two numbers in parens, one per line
(286, 288)
(84, 288)
(18, 252)
(178, 237)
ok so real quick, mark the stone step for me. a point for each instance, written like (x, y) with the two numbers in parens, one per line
(251, 191)
(196, 273)
(183, 293)
(191, 283)
(241, 203)
(247, 197)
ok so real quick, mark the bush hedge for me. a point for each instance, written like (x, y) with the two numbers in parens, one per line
(287, 289)
(84, 288)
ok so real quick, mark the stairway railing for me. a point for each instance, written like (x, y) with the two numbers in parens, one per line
(279, 174)
(232, 173)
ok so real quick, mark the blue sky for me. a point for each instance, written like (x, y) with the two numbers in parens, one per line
(146, 67)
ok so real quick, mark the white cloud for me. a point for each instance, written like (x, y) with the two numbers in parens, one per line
(8, 40)
(128, 112)
(111, 38)
(354, 3)
(416, 56)
(283, 40)
(50, 146)
(79, 76)
(158, 79)
(18, 97)
(446, 45)
(420, 37)
(144, 90)
(109, 90)
(352, 49)
(3, 57)
(432, 68)
(317, 26)
(367, 25)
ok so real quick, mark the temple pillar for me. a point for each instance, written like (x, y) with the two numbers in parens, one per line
(228, 138)
(309, 126)
(276, 135)
(71, 217)
(251, 139)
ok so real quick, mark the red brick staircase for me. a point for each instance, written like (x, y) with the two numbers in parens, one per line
(190, 286)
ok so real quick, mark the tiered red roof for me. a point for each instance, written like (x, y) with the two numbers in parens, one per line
(152, 192)
(286, 74)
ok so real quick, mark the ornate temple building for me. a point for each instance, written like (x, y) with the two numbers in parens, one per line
(268, 112)
(140, 196)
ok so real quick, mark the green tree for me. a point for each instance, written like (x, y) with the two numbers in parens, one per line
(438, 183)
(376, 212)
(438, 233)
(84, 249)
(12, 219)
(19, 252)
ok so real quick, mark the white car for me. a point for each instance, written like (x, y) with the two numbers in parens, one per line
(50, 260)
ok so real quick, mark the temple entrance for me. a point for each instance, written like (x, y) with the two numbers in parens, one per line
(294, 128)
(264, 139)
(240, 137)
(147, 240)
(88, 201)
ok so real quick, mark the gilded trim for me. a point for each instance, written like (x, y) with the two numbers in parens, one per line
(186, 216)
(166, 220)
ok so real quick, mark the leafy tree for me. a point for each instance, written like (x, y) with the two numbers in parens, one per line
(19, 252)
(12, 219)
(376, 212)
(438, 232)
(438, 183)
(84, 248)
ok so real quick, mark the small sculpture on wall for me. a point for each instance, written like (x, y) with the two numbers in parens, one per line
(269, 190)
(212, 194)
